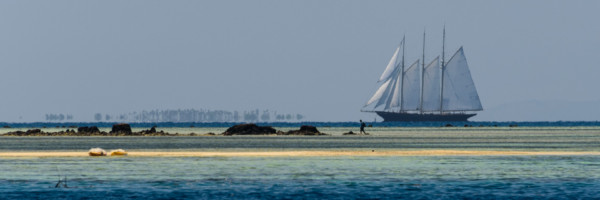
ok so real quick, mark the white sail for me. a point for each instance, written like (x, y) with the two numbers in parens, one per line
(391, 65)
(396, 96)
(431, 86)
(459, 90)
(392, 93)
(387, 95)
(379, 93)
(411, 88)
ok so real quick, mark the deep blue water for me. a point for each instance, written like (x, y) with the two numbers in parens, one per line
(317, 124)
(458, 177)
(308, 189)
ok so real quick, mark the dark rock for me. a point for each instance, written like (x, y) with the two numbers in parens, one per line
(353, 133)
(305, 130)
(6, 127)
(121, 128)
(249, 129)
(311, 129)
(513, 125)
(16, 133)
(85, 129)
(82, 129)
(34, 131)
(151, 131)
(449, 125)
(94, 129)
(350, 133)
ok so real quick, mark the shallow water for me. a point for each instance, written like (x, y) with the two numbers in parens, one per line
(487, 138)
(337, 177)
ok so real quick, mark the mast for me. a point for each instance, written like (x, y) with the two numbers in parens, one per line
(402, 74)
(442, 75)
(422, 75)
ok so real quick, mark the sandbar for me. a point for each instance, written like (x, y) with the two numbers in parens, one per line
(320, 153)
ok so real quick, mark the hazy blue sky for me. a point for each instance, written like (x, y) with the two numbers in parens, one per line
(319, 58)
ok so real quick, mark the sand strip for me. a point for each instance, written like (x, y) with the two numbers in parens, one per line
(305, 153)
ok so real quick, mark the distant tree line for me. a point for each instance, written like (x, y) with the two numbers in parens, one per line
(193, 115)
(58, 117)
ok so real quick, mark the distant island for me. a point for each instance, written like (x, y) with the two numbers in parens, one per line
(186, 115)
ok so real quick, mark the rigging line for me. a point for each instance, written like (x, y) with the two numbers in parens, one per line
(422, 76)
(442, 74)
(402, 75)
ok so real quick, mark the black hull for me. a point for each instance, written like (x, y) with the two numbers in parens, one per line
(415, 117)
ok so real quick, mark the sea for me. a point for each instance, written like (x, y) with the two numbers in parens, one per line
(311, 177)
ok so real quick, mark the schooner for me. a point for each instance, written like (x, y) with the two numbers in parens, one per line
(438, 91)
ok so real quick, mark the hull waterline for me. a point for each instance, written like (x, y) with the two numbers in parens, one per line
(415, 117)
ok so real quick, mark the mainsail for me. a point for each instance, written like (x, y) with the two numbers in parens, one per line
(385, 98)
(459, 90)
(411, 88)
(391, 99)
(431, 86)
(395, 101)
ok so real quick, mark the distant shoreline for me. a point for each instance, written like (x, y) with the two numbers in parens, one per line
(318, 153)
(70, 125)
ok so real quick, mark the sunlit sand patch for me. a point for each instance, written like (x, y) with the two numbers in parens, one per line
(306, 153)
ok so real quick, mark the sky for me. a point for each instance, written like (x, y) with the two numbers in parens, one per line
(318, 58)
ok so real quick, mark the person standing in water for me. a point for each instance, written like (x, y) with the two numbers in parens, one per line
(362, 127)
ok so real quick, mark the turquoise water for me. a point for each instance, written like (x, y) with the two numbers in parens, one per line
(486, 138)
(317, 124)
(341, 177)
